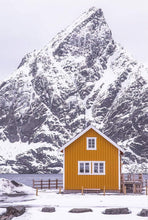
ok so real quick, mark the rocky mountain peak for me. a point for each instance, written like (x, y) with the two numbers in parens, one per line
(82, 76)
(93, 15)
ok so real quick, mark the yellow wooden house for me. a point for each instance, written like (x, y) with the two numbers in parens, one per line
(91, 161)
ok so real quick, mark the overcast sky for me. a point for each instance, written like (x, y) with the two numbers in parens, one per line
(26, 25)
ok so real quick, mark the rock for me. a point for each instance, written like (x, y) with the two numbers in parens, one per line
(117, 211)
(3, 217)
(144, 212)
(16, 194)
(80, 210)
(13, 211)
(48, 209)
(15, 183)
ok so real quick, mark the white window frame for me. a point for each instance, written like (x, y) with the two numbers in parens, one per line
(89, 148)
(98, 162)
(84, 162)
(91, 168)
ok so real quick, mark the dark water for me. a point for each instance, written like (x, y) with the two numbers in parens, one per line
(27, 179)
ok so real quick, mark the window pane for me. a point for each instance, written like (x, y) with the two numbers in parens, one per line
(86, 167)
(89, 140)
(93, 141)
(95, 167)
(101, 168)
(93, 145)
(81, 167)
(89, 143)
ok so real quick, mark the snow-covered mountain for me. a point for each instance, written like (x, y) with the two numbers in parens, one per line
(82, 76)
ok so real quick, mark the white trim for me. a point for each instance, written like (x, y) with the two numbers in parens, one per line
(84, 131)
(64, 171)
(91, 166)
(104, 173)
(84, 167)
(119, 180)
(87, 144)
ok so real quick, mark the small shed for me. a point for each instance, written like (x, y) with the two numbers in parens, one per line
(92, 161)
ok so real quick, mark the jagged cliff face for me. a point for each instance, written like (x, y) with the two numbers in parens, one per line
(82, 76)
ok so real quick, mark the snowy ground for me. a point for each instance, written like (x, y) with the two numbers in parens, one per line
(64, 202)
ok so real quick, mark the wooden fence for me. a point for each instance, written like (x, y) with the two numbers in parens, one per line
(47, 184)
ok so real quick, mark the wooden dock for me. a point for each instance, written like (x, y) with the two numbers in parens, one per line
(131, 183)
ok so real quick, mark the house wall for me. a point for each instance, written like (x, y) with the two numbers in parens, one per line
(77, 151)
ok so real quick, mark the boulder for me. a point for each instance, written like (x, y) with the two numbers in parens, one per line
(80, 210)
(117, 211)
(48, 209)
(5, 217)
(15, 210)
(144, 212)
(12, 211)
(15, 183)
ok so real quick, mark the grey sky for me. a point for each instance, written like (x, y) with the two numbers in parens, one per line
(26, 25)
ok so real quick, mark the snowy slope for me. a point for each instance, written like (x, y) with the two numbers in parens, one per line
(82, 76)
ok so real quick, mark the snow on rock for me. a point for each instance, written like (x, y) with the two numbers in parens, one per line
(14, 153)
(12, 187)
(81, 77)
(2, 211)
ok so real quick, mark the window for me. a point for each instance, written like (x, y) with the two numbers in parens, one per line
(91, 167)
(98, 167)
(84, 167)
(91, 143)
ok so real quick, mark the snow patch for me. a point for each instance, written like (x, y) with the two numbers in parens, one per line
(9, 151)
(8, 187)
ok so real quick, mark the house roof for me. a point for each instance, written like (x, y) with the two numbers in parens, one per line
(84, 131)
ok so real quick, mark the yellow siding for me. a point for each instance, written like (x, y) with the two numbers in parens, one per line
(77, 152)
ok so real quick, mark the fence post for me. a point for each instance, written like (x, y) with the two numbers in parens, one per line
(133, 177)
(134, 188)
(140, 190)
(37, 191)
(41, 184)
(33, 183)
(104, 191)
(60, 190)
(49, 184)
(82, 190)
(140, 177)
(124, 189)
(56, 183)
